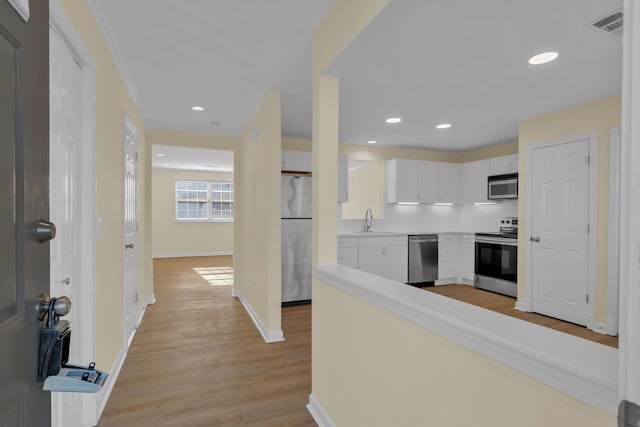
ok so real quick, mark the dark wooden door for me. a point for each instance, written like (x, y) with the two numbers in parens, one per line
(24, 199)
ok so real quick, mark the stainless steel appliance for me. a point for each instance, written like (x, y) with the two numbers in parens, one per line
(296, 239)
(496, 259)
(502, 187)
(423, 259)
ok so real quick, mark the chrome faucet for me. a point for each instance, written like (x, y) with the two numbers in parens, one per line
(368, 220)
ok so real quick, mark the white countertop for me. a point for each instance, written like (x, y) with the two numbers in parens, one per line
(397, 233)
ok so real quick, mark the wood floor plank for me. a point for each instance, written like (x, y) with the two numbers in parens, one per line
(505, 305)
(198, 360)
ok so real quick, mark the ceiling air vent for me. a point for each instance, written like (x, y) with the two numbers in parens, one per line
(612, 23)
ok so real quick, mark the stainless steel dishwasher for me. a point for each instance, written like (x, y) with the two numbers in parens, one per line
(423, 259)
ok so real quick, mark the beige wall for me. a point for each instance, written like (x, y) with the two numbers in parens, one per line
(174, 238)
(373, 368)
(112, 100)
(594, 117)
(257, 208)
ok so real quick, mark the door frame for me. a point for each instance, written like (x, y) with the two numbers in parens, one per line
(591, 271)
(613, 275)
(86, 340)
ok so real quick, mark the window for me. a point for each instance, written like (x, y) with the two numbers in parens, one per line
(204, 201)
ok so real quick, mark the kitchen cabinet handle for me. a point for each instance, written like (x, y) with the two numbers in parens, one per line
(535, 239)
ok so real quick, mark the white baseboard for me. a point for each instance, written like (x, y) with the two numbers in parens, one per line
(522, 306)
(268, 336)
(318, 413)
(192, 254)
(103, 395)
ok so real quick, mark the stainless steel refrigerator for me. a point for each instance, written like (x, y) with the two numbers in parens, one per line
(296, 239)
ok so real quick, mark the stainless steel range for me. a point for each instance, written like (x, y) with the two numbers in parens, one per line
(496, 264)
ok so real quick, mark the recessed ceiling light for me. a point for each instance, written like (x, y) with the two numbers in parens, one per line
(393, 120)
(160, 154)
(444, 126)
(543, 58)
(371, 142)
(197, 108)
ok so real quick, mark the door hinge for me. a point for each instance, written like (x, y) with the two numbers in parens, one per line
(136, 157)
(588, 228)
(588, 160)
(136, 297)
(587, 298)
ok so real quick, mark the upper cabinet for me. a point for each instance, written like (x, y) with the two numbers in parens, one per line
(411, 181)
(504, 164)
(343, 179)
(448, 182)
(296, 161)
(473, 181)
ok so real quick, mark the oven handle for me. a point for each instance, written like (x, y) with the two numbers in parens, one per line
(497, 241)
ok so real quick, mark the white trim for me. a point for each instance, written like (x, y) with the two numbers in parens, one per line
(105, 29)
(104, 394)
(521, 306)
(268, 336)
(191, 254)
(591, 286)
(22, 7)
(581, 368)
(320, 416)
(611, 328)
(151, 299)
(629, 319)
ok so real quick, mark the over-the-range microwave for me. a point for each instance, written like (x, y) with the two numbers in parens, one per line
(502, 187)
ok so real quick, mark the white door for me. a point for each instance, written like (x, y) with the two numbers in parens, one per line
(130, 138)
(65, 164)
(559, 231)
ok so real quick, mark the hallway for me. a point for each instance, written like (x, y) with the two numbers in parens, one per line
(198, 360)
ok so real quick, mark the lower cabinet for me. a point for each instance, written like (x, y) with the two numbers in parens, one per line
(467, 259)
(348, 251)
(448, 245)
(384, 256)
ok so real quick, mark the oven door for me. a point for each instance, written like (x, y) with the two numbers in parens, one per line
(497, 260)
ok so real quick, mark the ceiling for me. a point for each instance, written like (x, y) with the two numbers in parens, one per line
(457, 61)
(219, 54)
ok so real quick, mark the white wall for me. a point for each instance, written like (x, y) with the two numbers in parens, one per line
(172, 238)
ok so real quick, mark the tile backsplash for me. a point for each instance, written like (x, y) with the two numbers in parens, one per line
(430, 218)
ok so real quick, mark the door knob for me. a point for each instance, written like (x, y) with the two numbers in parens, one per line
(45, 230)
(129, 246)
(57, 307)
(66, 281)
(535, 239)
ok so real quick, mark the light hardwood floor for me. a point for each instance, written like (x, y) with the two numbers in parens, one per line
(198, 360)
(503, 304)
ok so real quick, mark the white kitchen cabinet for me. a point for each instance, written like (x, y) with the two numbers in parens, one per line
(448, 248)
(402, 181)
(467, 259)
(504, 164)
(473, 181)
(296, 161)
(411, 181)
(448, 182)
(343, 179)
(348, 251)
(385, 256)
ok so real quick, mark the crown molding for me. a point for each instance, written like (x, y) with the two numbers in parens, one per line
(105, 29)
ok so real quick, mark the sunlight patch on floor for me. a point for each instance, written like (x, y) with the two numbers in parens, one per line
(216, 276)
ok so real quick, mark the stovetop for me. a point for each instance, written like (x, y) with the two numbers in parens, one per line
(498, 234)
